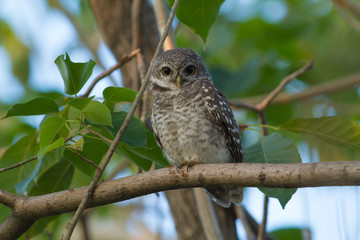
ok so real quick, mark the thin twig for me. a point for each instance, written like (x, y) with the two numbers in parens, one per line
(328, 87)
(355, 24)
(262, 227)
(96, 133)
(126, 58)
(350, 6)
(18, 164)
(261, 106)
(86, 160)
(71, 225)
(161, 17)
(207, 215)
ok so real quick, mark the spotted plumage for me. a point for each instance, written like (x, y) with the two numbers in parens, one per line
(191, 118)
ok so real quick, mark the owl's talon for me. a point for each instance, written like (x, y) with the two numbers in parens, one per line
(177, 168)
(188, 166)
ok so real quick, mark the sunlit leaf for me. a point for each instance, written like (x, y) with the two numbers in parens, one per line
(274, 148)
(288, 233)
(58, 143)
(37, 106)
(118, 94)
(97, 113)
(335, 130)
(49, 128)
(74, 74)
(80, 103)
(199, 16)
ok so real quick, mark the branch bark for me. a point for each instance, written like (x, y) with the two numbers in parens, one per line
(25, 211)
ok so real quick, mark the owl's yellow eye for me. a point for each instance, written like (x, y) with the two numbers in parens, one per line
(166, 71)
(190, 70)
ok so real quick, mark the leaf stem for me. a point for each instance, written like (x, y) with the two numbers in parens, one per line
(264, 126)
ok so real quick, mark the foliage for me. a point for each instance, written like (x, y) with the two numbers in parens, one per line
(247, 54)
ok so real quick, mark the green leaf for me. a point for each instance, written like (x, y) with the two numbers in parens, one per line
(288, 233)
(335, 130)
(49, 128)
(58, 143)
(134, 155)
(80, 103)
(134, 135)
(199, 16)
(98, 113)
(274, 148)
(118, 94)
(56, 178)
(23, 185)
(73, 74)
(144, 156)
(37, 106)
(93, 150)
(25, 148)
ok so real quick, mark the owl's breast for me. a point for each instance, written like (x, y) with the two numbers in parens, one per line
(186, 132)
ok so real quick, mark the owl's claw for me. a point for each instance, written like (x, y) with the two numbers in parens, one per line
(189, 165)
(177, 168)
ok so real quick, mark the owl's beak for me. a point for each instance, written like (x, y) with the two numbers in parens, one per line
(179, 81)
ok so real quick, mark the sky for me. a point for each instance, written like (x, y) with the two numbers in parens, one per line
(329, 212)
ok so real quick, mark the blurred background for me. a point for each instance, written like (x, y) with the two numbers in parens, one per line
(252, 46)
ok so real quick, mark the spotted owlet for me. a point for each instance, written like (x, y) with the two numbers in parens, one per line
(192, 119)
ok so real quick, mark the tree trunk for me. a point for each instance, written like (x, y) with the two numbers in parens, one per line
(116, 26)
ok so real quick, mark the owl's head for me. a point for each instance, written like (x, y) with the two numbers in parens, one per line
(177, 68)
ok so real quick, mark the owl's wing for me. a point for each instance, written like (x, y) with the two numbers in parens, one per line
(155, 131)
(222, 115)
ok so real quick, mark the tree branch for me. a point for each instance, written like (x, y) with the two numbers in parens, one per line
(329, 87)
(126, 58)
(269, 98)
(212, 175)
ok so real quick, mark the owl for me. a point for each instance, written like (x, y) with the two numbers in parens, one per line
(192, 119)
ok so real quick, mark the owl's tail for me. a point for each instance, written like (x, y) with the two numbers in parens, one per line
(224, 196)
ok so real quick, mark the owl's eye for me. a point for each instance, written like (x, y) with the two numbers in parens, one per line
(166, 71)
(190, 70)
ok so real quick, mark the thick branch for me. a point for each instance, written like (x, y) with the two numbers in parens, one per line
(242, 174)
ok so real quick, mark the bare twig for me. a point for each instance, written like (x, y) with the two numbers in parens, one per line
(262, 227)
(126, 58)
(18, 164)
(86, 160)
(82, 206)
(350, 6)
(207, 215)
(137, 42)
(328, 87)
(261, 106)
(96, 133)
(355, 24)
(161, 17)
